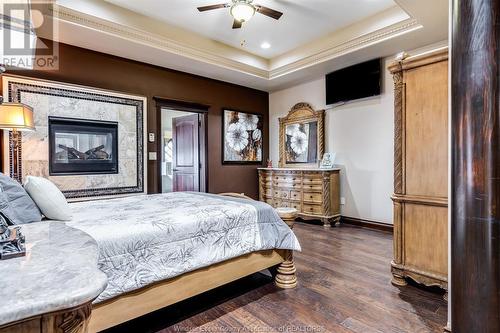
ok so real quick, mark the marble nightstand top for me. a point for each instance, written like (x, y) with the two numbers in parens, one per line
(58, 272)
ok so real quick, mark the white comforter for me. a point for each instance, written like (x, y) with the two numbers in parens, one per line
(148, 238)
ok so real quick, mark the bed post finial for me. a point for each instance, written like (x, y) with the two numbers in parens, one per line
(285, 277)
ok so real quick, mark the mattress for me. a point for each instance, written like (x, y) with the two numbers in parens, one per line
(148, 238)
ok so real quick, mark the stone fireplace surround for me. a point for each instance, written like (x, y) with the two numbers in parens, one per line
(53, 99)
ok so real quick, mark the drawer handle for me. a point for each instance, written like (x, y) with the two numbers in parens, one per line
(310, 196)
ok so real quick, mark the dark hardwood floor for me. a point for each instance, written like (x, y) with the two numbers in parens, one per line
(344, 286)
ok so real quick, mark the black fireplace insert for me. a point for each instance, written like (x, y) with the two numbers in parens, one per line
(80, 146)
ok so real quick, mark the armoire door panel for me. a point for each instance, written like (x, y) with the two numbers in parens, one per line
(426, 144)
(425, 235)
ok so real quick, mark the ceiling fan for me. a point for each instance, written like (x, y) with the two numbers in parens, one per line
(243, 10)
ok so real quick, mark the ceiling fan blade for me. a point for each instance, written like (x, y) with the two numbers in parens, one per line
(268, 12)
(212, 7)
(237, 24)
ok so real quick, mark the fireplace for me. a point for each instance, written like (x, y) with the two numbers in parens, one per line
(78, 147)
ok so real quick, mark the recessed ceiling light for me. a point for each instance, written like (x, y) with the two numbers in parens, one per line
(265, 45)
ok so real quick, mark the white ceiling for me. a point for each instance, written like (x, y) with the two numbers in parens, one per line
(302, 21)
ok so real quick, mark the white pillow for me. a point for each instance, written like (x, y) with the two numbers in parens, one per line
(49, 199)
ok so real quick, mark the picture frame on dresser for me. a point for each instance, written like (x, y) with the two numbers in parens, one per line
(242, 137)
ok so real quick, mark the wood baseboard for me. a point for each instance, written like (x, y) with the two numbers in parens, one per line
(367, 223)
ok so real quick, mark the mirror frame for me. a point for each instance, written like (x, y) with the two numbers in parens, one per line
(299, 114)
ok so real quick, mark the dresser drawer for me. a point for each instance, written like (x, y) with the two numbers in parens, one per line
(281, 203)
(312, 187)
(312, 181)
(281, 194)
(283, 185)
(313, 197)
(312, 209)
(274, 203)
(285, 178)
(288, 204)
(295, 195)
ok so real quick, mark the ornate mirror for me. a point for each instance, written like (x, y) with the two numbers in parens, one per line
(302, 140)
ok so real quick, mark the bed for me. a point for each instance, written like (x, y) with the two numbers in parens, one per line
(178, 245)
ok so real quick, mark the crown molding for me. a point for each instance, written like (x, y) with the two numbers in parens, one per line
(176, 47)
(346, 47)
(155, 40)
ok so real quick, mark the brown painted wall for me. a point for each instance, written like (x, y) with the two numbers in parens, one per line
(89, 68)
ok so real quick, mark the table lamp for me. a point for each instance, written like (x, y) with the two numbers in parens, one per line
(16, 117)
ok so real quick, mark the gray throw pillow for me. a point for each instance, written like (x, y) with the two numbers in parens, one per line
(15, 203)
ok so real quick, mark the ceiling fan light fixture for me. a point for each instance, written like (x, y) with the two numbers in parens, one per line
(242, 11)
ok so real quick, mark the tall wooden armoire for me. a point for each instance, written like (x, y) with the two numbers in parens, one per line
(421, 169)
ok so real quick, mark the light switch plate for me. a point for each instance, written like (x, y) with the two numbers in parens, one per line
(152, 156)
(151, 137)
(342, 200)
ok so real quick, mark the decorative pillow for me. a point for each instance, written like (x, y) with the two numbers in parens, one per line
(15, 204)
(48, 198)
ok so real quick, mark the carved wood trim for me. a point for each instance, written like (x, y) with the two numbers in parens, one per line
(261, 185)
(285, 277)
(399, 90)
(425, 59)
(398, 232)
(422, 200)
(75, 321)
(419, 276)
(326, 193)
(301, 113)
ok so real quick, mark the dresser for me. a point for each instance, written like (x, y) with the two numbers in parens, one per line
(315, 193)
(421, 170)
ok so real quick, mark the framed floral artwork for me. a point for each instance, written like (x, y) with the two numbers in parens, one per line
(242, 137)
(300, 142)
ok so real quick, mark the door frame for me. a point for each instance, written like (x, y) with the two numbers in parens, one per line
(186, 106)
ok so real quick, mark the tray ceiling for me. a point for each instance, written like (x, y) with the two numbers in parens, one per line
(312, 38)
(302, 21)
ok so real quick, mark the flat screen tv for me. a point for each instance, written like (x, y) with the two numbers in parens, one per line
(355, 82)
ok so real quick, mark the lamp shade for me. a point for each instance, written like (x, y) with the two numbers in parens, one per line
(16, 116)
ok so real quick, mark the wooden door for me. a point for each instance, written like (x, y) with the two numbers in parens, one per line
(186, 153)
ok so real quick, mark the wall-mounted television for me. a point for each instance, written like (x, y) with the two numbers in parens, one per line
(355, 82)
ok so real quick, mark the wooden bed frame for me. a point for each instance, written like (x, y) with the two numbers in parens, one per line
(159, 295)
